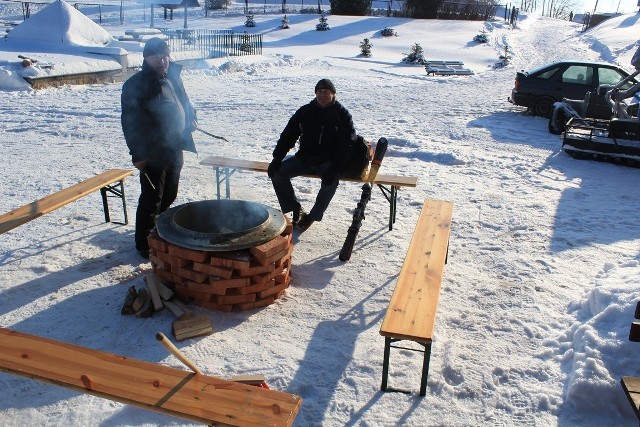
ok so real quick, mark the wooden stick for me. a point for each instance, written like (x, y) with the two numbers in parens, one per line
(177, 353)
(149, 179)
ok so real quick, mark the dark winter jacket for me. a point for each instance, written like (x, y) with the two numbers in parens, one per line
(326, 134)
(149, 123)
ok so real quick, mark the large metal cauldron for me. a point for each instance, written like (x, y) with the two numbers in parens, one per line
(220, 225)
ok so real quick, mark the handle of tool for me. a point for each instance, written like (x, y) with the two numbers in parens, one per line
(150, 182)
(212, 135)
(177, 353)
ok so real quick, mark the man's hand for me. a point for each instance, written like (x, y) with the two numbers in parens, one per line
(330, 175)
(274, 167)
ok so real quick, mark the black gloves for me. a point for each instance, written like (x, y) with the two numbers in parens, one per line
(330, 175)
(274, 167)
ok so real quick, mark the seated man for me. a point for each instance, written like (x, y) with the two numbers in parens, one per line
(327, 138)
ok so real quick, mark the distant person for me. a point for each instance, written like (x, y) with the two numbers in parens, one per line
(157, 121)
(327, 140)
(571, 16)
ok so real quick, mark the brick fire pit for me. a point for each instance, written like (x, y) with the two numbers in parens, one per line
(248, 264)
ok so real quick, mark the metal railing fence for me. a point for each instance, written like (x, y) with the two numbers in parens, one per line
(213, 43)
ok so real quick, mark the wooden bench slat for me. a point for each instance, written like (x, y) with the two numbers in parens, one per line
(26, 213)
(412, 309)
(158, 388)
(258, 166)
(631, 386)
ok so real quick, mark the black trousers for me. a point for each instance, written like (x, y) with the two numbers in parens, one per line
(154, 201)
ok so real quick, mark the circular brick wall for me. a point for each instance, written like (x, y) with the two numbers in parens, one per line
(225, 281)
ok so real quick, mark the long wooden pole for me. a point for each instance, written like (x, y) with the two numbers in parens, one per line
(177, 353)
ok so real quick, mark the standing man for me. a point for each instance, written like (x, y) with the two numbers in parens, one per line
(157, 121)
(327, 140)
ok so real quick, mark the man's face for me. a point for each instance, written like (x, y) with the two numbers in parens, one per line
(159, 62)
(324, 97)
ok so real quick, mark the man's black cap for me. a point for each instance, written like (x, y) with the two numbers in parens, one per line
(155, 46)
(325, 84)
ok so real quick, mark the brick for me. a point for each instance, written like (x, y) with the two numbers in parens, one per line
(172, 260)
(192, 255)
(288, 228)
(226, 308)
(182, 292)
(166, 275)
(273, 290)
(236, 299)
(221, 272)
(204, 268)
(191, 275)
(199, 287)
(255, 269)
(231, 259)
(252, 289)
(259, 279)
(158, 263)
(263, 252)
(174, 251)
(283, 277)
(285, 260)
(220, 286)
(256, 304)
(198, 296)
(157, 242)
(275, 257)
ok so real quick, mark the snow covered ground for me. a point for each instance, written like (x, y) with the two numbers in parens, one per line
(544, 263)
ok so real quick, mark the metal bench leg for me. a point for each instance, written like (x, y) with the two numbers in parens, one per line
(105, 204)
(223, 175)
(385, 363)
(217, 182)
(425, 369)
(228, 187)
(124, 203)
(391, 195)
(393, 202)
(117, 189)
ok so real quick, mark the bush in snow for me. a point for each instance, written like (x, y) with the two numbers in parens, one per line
(482, 37)
(249, 22)
(415, 56)
(285, 22)
(323, 25)
(388, 32)
(365, 48)
(245, 46)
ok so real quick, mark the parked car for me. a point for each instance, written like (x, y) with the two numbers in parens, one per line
(540, 88)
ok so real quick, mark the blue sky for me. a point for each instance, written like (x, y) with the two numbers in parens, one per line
(611, 6)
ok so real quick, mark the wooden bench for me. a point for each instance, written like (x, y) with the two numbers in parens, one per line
(176, 392)
(108, 182)
(447, 68)
(225, 167)
(411, 313)
(631, 387)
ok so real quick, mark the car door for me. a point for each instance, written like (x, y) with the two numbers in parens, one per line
(611, 76)
(576, 80)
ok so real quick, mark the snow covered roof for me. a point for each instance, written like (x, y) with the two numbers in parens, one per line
(61, 23)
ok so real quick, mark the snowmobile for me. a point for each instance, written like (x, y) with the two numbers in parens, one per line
(590, 134)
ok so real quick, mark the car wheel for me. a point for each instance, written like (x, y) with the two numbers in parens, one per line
(543, 106)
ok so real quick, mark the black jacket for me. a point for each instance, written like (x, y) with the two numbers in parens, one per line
(148, 123)
(326, 134)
